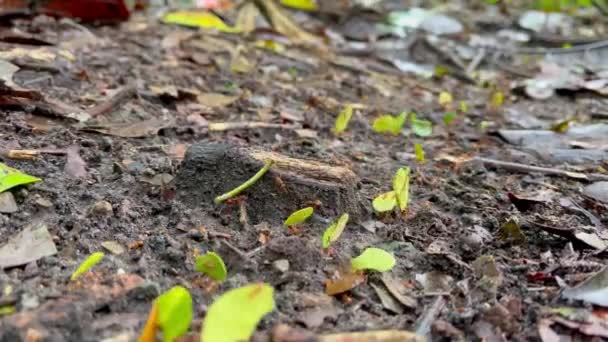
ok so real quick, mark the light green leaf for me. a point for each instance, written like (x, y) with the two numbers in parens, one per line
(10, 178)
(299, 216)
(333, 232)
(422, 128)
(374, 259)
(445, 98)
(448, 118)
(234, 316)
(385, 202)
(305, 5)
(198, 19)
(343, 119)
(419, 152)
(174, 312)
(87, 264)
(401, 187)
(212, 265)
(389, 123)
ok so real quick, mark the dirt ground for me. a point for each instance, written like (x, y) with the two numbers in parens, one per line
(145, 202)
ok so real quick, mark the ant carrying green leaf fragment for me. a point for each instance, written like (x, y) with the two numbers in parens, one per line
(343, 119)
(389, 124)
(398, 197)
(212, 265)
(422, 128)
(87, 264)
(298, 216)
(374, 259)
(234, 316)
(419, 153)
(234, 192)
(333, 232)
(171, 313)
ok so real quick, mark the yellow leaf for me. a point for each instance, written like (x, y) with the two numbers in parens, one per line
(419, 152)
(445, 99)
(270, 44)
(563, 126)
(87, 264)
(198, 19)
(385, 202)
(305, 5)
(497, 99)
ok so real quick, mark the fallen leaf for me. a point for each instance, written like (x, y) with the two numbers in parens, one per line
(389, 302)
(594, 290)
(75, 166)
(511, 231)
(32, 243)
(398, 290)
(245, 19)
(198, 19)
(343, 283)
(214, 100)
(132, 129)
(285, 25)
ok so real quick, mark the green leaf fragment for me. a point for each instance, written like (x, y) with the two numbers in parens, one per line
(422, 128)
(333, 232)
(87, 264)
(419, 153)
(174, 312)
(10, 178)
(212, 265)
(374, 259)
(401, 187)
(234, 316)
(299, 216)
(448, 118)
(385, 202)
(343, 119)
(389, 124)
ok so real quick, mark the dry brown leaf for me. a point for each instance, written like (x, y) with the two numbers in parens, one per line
(344, 283)
(214, 100)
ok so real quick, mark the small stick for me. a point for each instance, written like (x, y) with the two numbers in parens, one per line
(226, 126)
(244, 186)
(121, 95)
(424, 325)
(544, 170)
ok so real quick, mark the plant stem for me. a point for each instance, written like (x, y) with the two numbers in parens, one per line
(244, 186)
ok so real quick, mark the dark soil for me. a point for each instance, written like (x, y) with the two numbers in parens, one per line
(454, 217)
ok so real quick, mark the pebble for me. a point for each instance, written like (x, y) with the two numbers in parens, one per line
(101, 208)
(113, 247)
(29, 301)
(43, 202)
(281, 265)
(7, 203)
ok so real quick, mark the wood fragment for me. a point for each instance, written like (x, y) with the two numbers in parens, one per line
(112, 103)
(227, 126)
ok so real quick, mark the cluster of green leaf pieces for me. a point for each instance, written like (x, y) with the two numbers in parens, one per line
(399, 196)
(386, 123)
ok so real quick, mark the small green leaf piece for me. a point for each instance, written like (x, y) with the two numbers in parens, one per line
(206, 20)
(87, 264)
(299, 216)
(422, 128)
(10, 178)
(389, 124)
(234, 316)
(212, 265)
(174, 312)
(419, 152)
(374, 259)
(401, 187)
(385, 202)
(448, 118)
(445, 98)
(343, 119)
(247, 184)
(333, 232)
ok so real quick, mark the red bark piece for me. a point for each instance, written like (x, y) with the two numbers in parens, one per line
(84, 10)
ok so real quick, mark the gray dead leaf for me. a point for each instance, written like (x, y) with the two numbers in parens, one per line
(7, 70)
(7, 203)
(388, 302)
(594, 290)
(398, 290)
(591, 239)
(314, 317)
(158, 180)
(435, 282)
(32, 243)
(598, 191)
(75, 166)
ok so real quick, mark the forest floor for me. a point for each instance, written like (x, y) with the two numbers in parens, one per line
(507, 209)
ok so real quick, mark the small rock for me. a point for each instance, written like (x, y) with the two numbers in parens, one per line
(113, 247)
(101, 208)
(597, 191)
(29, 301)
(281, 265)
(43, 202)
(7, 203)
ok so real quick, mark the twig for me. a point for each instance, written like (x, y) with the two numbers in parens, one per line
(424, 325)
(226, 126)
(544, 170)
(113, 102)
(244, 186)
